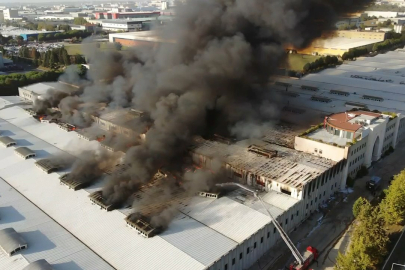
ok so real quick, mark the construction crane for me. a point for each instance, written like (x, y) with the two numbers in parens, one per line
(302, 261)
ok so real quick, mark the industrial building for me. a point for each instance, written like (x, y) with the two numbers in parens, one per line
(294, 175)
(141, 38)
(126, 15)
(122, 25)
(343, 41)
(373, 87)
(292, 184)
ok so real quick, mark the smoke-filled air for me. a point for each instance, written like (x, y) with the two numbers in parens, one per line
(208, 75)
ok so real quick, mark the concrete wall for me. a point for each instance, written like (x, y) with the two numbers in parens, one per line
(356, 157)
(376, 131)
(328, 151)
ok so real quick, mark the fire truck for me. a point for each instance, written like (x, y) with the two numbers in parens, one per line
(302, 261)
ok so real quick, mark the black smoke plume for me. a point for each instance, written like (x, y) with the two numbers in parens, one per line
(209, 75)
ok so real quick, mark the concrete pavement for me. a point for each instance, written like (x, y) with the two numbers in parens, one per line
(328, 234)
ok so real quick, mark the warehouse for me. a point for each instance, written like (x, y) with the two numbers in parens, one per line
(343, 41)
(233, 223)
(141, 38)
(122, 25)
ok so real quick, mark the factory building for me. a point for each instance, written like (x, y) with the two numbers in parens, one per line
(343, 41)
(141, 38)
(122, 25)
(292, 184)
(126, 15)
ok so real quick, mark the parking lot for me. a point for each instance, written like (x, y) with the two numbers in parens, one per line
(40, 47)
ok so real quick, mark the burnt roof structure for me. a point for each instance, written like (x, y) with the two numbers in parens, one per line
(66, 126)
(11, 241)
(69, 181)
(39, 265)
(24, 152)
(7, 141)
(97, 198)
(47, 165)
(142, 225)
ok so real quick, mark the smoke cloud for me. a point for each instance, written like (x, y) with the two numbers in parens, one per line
(210, 76)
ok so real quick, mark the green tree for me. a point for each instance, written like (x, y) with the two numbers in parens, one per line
(369, 241)
(393, 205)
(358, 204)
(41, 37)
(307, 67)
(345, 56)
(79, 21)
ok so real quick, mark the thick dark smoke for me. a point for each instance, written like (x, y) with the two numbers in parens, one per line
(211, 79)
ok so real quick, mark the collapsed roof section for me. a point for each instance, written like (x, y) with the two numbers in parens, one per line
(11, 241)
(38, 265)
(97, 198)
(142, 225)
(7, 141)
(70, 181)
(24, 152)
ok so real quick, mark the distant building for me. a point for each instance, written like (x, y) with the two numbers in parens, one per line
(360, 137)
(11, 14)
(122, 25)
(383, 14)
(125, 15)
(342, 42)
(141, 38)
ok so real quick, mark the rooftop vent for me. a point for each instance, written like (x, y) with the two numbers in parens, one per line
(25, 152)
(66, 127)
(283, 84)
(262, 151)
(209, 194)
(339, 92)
(97, 198)
(137, 113)
(30, 111)
(38, 265)
(222, 139)
(7, 141)
(356, 104)
(293, 110)
(11, 241)
(48, 166)
(321, 99)
(309, 88)
(373, 98)
(72, 183)
(289, 94)
(142, 225)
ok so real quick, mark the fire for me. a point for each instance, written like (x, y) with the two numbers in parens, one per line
(41, 117)
(73, 128)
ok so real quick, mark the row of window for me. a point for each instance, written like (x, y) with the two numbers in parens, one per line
(254, 245)
(356, 159)
(389, 128)
(389, 136)
(385, 148)
(325, 177)
(354, 151)
(320, 195)
(356, 170)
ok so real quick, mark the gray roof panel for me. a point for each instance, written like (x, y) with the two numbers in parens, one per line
(10, 240)
(38, 265)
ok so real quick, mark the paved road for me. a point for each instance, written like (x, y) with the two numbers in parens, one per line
(329, 235)
(397, 255)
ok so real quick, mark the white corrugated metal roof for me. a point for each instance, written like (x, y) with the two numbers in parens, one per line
(45, 238)
(225, 222)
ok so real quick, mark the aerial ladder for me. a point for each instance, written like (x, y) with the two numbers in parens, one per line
(302, 261)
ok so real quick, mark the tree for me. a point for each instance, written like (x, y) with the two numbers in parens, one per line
(64, 27)
(307, 67)
(345, 56)
(41, 37)
(117, 46)
(49, 36)
(19, 39)
(31, 39)
(79, 21)
(369, 241)
(358, 204)
(393, 205)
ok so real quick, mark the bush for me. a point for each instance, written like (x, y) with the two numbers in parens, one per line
(362, 172)
(349, 181)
